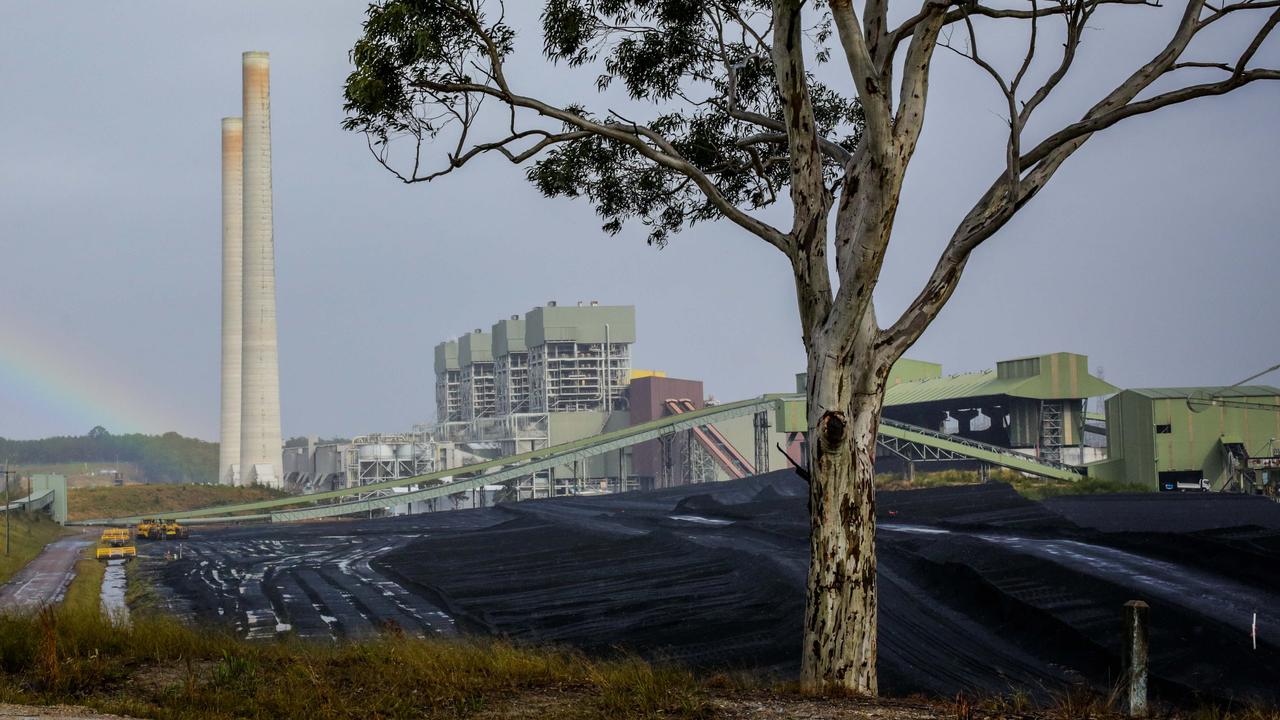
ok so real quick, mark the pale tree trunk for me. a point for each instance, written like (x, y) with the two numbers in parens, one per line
(844, 400)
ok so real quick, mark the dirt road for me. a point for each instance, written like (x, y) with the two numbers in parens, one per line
(44, 580)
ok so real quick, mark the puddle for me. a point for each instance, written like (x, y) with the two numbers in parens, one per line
(112, 596)
(701, 520)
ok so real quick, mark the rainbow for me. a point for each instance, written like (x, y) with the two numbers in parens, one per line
(74, 385)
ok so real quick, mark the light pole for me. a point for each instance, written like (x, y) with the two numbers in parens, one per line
(7, 511)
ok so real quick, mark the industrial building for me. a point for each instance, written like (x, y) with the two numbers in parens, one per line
(1032, 404)
(562, 377)
(511, 366)
(559, 374)
(1179, 438)
(477, 389)
(448, 382)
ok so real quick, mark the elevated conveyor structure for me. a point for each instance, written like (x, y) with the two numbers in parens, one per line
(897, 438)
(715, 443)
(42, 500)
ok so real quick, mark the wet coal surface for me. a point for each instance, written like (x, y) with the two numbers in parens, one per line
(980, 589)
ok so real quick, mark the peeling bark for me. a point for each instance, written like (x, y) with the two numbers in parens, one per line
(839, 651)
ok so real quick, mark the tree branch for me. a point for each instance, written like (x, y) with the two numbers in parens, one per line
(865, 74)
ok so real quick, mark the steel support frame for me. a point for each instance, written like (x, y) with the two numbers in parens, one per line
(511, 473)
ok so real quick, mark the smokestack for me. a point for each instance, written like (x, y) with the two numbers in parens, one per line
(232, 286)
(260, 445)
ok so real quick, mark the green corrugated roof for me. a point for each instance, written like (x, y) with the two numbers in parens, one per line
(1045, 377)
(1181, 393)
(979, 384)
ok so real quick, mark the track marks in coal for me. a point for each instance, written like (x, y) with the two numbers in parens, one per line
(317, 587)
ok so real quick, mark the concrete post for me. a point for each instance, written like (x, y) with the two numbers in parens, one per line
(232, 289)
(1135, 658)
(260, 443)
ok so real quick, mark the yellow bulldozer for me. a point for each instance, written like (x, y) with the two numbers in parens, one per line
(156, 529)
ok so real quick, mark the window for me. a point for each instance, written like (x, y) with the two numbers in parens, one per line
(1164, 429)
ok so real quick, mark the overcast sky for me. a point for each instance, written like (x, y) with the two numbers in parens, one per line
(1154, 250)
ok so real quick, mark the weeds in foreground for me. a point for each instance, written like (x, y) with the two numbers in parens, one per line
(160, 668)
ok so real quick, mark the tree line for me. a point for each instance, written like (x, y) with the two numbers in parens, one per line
(167, 458)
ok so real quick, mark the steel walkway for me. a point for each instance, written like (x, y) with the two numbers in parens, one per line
(900, 439)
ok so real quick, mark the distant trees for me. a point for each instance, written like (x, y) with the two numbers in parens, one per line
(302, 441)
(167, 458)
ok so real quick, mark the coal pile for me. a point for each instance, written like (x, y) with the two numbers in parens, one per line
(981, 590)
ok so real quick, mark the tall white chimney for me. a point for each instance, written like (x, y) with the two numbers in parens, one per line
(232, 287)
(260, 444)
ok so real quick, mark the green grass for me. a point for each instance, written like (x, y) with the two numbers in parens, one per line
(84, 594)
(101, 502)
(160, 668)
(1033, 488)
(30, 533)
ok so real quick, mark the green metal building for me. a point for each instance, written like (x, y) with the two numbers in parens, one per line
(448, 382)
(1033, 404)
(1159, 438)
(478, 384)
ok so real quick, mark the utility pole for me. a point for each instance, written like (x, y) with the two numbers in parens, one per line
(7, 510)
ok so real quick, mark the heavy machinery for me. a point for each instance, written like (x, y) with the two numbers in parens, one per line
(175, 531)
(149, 530)
(155, 529)
(115, 544)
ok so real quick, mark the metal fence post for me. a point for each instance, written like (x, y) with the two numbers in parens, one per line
(1135, 657)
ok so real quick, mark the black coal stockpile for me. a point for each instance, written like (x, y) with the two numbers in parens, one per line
(981, 590)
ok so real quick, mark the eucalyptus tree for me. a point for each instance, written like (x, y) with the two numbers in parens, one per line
(734, 119)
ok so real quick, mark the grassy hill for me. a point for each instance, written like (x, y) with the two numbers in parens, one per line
(30, 533)
(98, 502)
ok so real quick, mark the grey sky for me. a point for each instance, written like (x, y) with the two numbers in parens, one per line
(1154, 251)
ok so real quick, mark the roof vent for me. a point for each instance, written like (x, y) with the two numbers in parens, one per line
(476, 331)
(551, 303)
(515, 317)
(595, 303)
(579, 303)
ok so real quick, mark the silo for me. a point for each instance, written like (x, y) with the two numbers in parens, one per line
(260, 444)
(406, 460)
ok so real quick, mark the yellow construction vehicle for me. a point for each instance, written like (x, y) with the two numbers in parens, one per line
(114, 544)
(150, 530)
(174, 531)
(162, 530)
(115, 537)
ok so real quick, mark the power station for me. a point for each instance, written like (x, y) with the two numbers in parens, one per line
(250, 427)
(556, 386)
